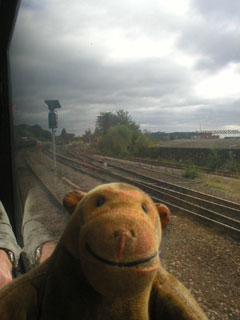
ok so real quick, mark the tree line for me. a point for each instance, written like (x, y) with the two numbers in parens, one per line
(172, 135)
(117, 134)
(35, 131)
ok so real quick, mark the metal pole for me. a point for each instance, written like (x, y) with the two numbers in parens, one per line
(54, 148)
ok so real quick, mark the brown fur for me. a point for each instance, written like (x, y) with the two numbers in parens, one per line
(106, 265)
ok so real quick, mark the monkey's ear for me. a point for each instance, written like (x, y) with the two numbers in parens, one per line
(164, 214)
(72, 198)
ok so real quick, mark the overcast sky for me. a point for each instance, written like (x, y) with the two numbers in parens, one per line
(174, 65)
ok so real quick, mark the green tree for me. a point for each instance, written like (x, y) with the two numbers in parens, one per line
(107, 120)
(87, 136)
(191, 171)
(46, 135)
(214, 159)
(141, 145)
(104, 122)
(35, 131)
(112, 129)
(63, 133)
(231, 163)
(124, 117)
(65, 137)
(117, 141)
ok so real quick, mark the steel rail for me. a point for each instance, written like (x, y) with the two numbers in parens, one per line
(174, 201)
(211, 201)
(181, 167)
(46, 188)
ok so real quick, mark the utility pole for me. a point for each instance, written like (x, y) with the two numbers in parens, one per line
(52, 124)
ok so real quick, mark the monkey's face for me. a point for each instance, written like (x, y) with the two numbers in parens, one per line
(118, 239)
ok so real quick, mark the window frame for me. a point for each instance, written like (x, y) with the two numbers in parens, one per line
(8, 14)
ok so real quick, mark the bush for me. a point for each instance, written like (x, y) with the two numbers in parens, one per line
(117, 141)
(191, 172)
(141, 147)
(214, 159)
(231, 164)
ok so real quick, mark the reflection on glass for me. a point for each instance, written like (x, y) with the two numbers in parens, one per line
(154, 80)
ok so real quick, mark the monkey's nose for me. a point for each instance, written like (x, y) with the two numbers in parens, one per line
(122, 238)
(124, 233)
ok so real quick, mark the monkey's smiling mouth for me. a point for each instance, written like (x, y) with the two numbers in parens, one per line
(119, 264)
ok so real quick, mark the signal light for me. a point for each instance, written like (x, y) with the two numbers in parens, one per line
(52, 120)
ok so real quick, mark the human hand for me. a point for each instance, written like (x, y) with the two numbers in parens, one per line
(5, 269)
(46, 251)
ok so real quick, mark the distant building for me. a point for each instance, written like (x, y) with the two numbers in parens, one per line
(205, 136)
(220, 134)
(209, 136)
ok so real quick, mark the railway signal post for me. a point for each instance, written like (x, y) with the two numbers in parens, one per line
(52, 124)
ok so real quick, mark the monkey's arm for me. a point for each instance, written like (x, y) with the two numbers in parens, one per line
(18, 301)
(170, 300)
(21, 298)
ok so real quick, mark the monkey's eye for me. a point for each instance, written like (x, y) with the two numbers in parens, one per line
(100, 201)
(144, 208)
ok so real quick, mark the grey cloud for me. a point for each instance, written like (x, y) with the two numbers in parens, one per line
(219, 9)
(69, 66)
(215, 46)
(214, 36)
(104, 88)
(85, 83)
(210, 115)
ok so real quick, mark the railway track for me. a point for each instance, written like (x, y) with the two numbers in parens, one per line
(186, 249)
(159, 181)
(55, 199)
(181, 167)
(217, 212)
(141, 167)
(178, 187)
(164, 176)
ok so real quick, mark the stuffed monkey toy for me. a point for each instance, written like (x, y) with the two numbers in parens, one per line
(106, 265)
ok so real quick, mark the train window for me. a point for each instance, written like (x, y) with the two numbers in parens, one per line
(144, 92)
